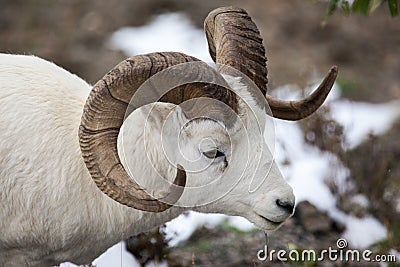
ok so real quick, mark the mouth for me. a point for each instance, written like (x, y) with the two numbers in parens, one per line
(274, 223)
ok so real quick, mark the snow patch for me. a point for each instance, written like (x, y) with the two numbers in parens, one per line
(182, 227)
(361, 200)
(117, 255)
(363, 232)
(361, 119)
(309, 168)
(166, 32)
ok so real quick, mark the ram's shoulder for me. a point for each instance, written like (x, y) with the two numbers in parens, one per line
(31, 71)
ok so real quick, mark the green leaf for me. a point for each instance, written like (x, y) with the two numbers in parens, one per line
(361, 6)
(345, 6)
(330, 10)
(374, 4)
(393, 7)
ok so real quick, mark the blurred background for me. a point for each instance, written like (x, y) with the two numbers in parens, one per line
(363, 184)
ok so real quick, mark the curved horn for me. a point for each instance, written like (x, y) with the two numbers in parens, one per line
(297, 110)
(102, 119)
(234, 40)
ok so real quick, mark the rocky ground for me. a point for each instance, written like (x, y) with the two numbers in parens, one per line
(224, 245)
(74, 34)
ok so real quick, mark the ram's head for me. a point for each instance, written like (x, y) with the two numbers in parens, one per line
(215, 135)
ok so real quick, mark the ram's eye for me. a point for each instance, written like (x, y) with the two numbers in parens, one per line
(212, 154)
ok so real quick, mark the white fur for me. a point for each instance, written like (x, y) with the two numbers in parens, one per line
(50, 209)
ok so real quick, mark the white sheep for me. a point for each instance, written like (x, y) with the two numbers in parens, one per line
(59, 138)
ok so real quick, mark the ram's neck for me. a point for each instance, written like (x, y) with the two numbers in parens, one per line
(101, 220)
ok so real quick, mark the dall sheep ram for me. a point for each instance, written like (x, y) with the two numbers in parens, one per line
(61, 140)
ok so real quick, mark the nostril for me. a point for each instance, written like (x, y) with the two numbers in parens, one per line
(288, 206)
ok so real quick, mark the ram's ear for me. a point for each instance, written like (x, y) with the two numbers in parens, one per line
(138, 148)
(163, 115)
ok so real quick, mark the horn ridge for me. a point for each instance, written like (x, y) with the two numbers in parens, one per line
(234, 40)
(102, 118)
